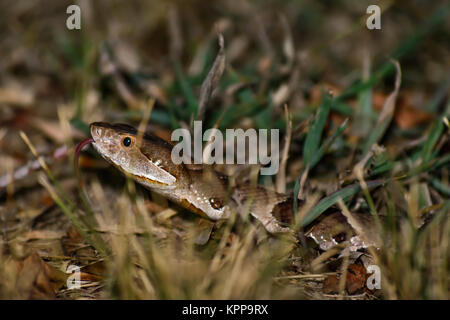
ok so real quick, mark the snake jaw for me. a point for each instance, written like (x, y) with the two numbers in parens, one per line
(130, 157)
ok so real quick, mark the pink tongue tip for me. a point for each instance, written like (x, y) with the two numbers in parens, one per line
(75, 159)
(83, 143)
(79, 148)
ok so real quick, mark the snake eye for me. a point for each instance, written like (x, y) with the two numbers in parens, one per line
(126, 141)
(216, 203)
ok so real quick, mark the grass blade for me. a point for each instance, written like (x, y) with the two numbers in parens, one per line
(344, 193)
(386, 114)
(327, 143)
(431, 141)
(314, 135)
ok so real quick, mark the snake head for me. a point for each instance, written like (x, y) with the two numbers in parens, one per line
(133, 154)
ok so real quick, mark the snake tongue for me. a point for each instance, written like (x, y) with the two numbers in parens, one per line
(78, 151)
(77, 171)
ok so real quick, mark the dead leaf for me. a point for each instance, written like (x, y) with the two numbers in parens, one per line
(389, 104)
(356, 278)
(155, 90)
(97, 268)
(205, 228)
(407, 116)
(212, 79)
(378, 99)
(264, 65)
(16, 95)
(74, 235)
(84, 276)
(331, 284)
(288, 42)
(38, 280)
(281, 95)
(42, 235)
(53, 130)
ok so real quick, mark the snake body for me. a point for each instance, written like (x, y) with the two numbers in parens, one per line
(198, 188)
(202, 190)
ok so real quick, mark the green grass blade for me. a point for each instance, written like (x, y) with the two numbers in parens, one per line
(314, 135)
(431, 141)
(344, 193)
(327, 143)
(186, 89)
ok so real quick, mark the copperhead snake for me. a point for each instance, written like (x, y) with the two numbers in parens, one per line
(202, 190)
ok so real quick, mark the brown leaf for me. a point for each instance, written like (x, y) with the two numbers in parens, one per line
(47, 200)
(264, 65)
(356, 278)
(17, 95)
(74, 235)
(84, 276)
(378, 99)
(42, 235)
(331, 284)
(155, 90)
(407, 116)
(57, 277)
(97, 268)
(33, 281)
(53, 130)
(205, 228)
(73, 241)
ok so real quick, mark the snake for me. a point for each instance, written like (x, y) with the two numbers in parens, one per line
(146, 158)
